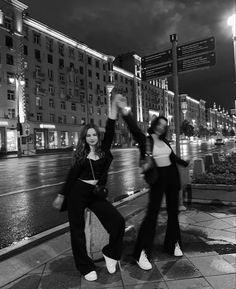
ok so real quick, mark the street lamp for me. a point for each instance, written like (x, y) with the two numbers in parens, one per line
(18, 80)
(232, 22)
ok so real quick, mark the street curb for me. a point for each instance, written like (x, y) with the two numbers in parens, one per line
(40, 238)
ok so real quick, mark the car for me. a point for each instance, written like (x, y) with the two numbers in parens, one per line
(219, 141)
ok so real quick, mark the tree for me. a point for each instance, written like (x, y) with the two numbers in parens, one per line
(186, 128)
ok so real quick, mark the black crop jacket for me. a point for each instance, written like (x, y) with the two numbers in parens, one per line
(140, 138)
(77, 168)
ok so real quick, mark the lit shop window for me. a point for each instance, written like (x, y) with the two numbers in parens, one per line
(52, 139)
(39, 140)
(64, 138)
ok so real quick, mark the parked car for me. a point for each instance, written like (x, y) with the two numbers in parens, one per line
(219, 141)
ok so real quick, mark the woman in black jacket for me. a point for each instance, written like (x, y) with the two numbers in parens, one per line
(91, 162)
(168, 182)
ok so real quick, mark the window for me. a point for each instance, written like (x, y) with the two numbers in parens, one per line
(90, 73)
(50, 58)
(90, 85)
(38, 101)
(81, 96)
(81, 70)
(9, 41)
(74, 120)
(51, 103)
(9, 59)
(61, 63)
(76, 92)
(36, 38)
(97, 64)
(51, 89)
(8, 23)
(71, 52)
(62, 77)
(83, 108)
(63, 105)
(11, 113)
(10, 94)
(52, 117)
(37, 54)
(50, 74)
(9, 75)
(91, 109)
(89, 60)
(97, 76)
(73, 106)
(81, 83)
(25, 49)
(64, 118)
(61, 49)
(81, 57)
(49, 44)
(83, 120)
(90, 98)
(39, 116)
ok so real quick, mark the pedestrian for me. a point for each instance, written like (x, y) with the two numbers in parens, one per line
(90, 168)
(168, 182)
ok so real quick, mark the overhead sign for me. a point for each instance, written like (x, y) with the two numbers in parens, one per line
(197, 62)
(157, 71)
(157, 58)
(196, 47)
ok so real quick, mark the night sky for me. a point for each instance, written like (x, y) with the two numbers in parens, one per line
(144, 26)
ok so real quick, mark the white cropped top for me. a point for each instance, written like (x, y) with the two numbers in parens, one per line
(161, 154)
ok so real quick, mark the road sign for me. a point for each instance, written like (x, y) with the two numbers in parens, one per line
(197, 62)
(157, 71)
(157, 58)
(196, 47)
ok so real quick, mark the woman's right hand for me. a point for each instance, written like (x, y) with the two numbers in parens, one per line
(57, 203)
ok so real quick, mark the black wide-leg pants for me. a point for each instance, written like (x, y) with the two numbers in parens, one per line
(167, 183)
(80, 198)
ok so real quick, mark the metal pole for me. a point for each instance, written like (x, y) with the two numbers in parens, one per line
(19, 153)
(174, 40)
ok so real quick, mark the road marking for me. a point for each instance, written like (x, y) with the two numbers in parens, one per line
(57, 184)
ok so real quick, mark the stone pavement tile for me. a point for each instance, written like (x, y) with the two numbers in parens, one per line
(105, 280)
(198, 249)
(230, 220)
(177, 269)
(159, 255)
(199, 216)
(194, 233)
(194, 283)
(221, 215)
(133, 275)
(232, 229)
(212, 265)
(61, 264)
(148, 285)
(223, 281)
(214, 224)
(186, 219)
(222, 235)
(230, 258)
(25, 282)
(60, 280)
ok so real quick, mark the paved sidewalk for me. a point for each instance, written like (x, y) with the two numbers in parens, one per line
(209, 261)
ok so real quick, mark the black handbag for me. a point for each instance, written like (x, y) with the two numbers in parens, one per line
(100, 190)
(149, 166)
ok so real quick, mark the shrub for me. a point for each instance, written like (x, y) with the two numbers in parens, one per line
(223, 172)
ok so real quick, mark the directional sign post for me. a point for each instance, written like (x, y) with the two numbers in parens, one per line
(188, 57)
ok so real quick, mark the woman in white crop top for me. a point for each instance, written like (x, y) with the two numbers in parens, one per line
(168, 182)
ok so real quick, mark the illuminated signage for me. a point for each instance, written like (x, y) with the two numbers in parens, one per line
(52, 126)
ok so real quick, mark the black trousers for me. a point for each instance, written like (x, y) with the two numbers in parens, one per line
(79, 198)
(167, 183)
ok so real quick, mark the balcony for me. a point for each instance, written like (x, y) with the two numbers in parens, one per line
(40, 91)
(39, 75)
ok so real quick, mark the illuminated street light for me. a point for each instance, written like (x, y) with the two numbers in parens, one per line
(17, 79)
(232, 22)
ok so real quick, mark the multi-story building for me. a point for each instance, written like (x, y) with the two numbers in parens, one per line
(51, 85)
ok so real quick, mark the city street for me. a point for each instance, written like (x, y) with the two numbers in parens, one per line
(28, 186)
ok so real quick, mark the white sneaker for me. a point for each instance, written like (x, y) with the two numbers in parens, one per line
(178, 252)
(91, 276)
(143, 261)
(110, 264)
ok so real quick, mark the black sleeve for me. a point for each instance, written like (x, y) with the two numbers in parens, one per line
(109, 135)
(72, 176)
(137, 134)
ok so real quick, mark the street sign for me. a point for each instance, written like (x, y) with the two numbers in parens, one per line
(157, 71)
(157, 58)
(201, 61)
(196, 47)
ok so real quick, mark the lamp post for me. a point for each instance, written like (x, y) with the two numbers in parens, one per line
(18, 80)
(232, 22)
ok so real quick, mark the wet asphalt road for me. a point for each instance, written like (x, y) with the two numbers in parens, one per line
(28, 186)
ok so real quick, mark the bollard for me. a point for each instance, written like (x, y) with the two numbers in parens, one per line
(209, 161)
(216, 158)
(198, 167)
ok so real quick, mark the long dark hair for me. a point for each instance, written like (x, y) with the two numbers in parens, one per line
(154, 123)
(82, 148)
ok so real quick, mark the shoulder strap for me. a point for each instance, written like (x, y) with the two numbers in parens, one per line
(148, 146)
(105, 170)
(91, 168)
